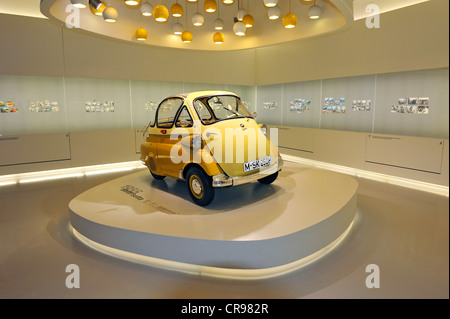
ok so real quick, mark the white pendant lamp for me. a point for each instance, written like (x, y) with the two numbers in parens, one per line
(198, 20)
(239, 29)
(177, 29)
(314, 12)
(270, 3)
(227, 2)
(241, 14)
(146, 9)
(218, 24)
(81, 4)
(110, 14)
(274, 13)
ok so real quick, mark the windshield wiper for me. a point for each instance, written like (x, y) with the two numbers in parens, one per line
(230, 110)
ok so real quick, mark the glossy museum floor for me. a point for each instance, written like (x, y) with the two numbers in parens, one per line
(403, 231)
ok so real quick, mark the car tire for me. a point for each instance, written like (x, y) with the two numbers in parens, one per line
(158, 177)
(199, 186)
(268, 179)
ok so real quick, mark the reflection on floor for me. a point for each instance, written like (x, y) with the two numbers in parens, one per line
(404, 232)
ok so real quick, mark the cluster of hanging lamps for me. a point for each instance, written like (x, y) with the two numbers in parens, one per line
(161, 13)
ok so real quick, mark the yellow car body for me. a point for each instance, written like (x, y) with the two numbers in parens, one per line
(210, 140)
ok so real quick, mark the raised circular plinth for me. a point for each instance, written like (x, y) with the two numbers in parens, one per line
(248, 227)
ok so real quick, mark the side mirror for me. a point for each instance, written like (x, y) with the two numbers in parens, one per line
(254, 114)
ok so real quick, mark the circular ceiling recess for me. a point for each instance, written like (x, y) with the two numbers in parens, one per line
(239, 24)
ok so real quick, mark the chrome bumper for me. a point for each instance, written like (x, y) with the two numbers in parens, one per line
(223, 180)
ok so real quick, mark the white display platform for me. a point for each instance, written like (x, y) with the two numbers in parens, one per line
(248, 227)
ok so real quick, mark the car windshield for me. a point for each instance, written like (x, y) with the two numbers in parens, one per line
(211, 109)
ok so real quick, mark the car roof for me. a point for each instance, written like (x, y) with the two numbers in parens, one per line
(197, 94)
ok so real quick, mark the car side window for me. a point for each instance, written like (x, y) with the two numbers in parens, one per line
(202, 111)
(184, 119)
(167, 111)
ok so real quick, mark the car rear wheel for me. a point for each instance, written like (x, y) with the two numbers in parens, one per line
(158, 177)
(199, 186)
(268, 179)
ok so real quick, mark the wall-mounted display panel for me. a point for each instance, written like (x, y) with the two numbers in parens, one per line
(413, 103)
(246, 93)
(35, 104)
(98, 104)
(301, 104)
(342, 103)
(269, 104)
(145, 98)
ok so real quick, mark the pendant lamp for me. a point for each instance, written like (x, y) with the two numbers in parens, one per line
(210, 6)
(314, 12)
(110, 14)
(218, 24)
(99, 11)
(176, 10)
(141, 34)
(132, 2)
(218, 38)
(186, 37)
(146, 9)
(160, 13)
(248, 20)
(274, 13)
(270, 3)
(81, 4)
(290, 19)
(239, 29)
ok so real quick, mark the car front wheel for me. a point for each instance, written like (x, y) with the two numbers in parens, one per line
(199, 187)
(268, 179)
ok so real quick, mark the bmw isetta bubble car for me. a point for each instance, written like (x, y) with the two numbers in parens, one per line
(209, 140)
